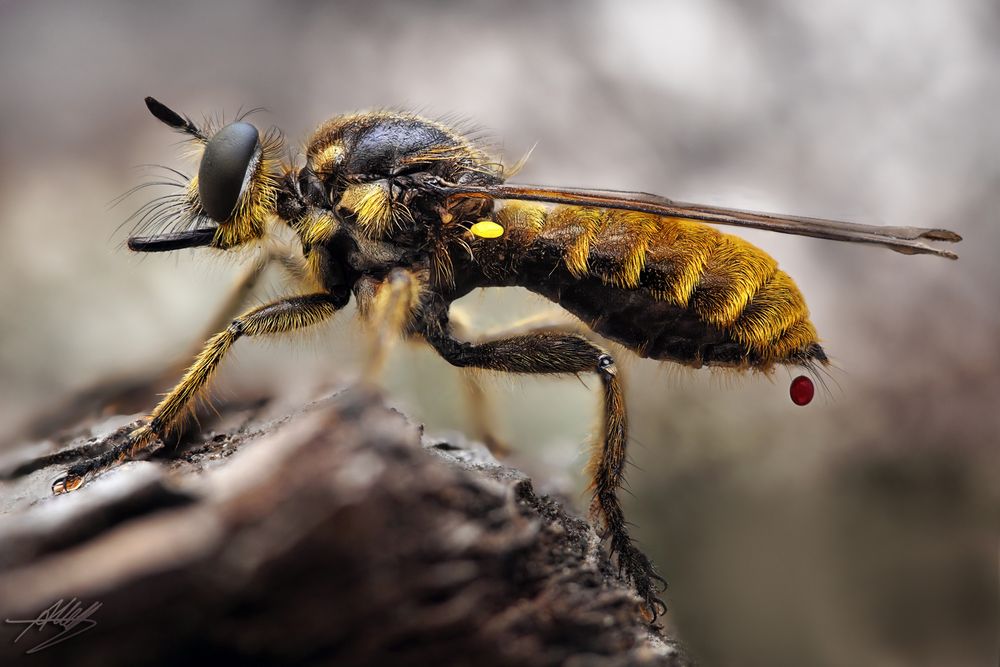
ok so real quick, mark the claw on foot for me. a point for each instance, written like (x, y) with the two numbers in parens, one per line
(66, 482)
(637, 569)
(73, 479)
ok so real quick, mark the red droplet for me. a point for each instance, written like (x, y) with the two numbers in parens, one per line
(802, 390)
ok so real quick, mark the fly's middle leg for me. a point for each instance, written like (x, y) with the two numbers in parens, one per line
(388, 307)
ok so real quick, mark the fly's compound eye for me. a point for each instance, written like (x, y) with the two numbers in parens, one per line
(227, 167)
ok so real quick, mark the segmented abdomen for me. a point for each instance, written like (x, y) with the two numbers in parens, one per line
(667, 288)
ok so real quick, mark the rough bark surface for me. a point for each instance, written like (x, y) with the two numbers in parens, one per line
(336, 535)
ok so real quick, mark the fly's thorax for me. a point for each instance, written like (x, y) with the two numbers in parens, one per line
(367, 165)
(338, 253)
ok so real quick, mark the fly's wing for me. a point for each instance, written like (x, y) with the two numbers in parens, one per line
(907, 240)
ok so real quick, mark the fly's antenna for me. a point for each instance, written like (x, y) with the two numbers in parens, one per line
(168, 116)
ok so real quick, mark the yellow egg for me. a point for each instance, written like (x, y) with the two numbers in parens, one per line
(486, 229)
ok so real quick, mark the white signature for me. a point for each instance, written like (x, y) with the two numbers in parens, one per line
(70, 616)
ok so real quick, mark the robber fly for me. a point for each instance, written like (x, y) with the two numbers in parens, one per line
(407, 215)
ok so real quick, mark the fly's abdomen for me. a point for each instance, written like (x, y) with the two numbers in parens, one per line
(668, 289)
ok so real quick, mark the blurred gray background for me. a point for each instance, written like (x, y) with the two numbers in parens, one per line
(859, 530)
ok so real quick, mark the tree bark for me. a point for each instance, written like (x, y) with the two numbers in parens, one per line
(337, 535)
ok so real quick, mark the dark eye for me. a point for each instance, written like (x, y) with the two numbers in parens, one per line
(226, 167)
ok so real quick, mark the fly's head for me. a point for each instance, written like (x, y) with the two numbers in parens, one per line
(228, 203)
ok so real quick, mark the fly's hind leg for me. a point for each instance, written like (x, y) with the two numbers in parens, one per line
(279, 317)
(480, 404)
(477, 398)
(606, 470)
(564, 353)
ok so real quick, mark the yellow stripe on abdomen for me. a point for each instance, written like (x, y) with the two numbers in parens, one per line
(733, 287)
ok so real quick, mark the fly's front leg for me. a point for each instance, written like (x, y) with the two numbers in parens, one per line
(564, 353)
(247, 282)
(133, 392)
(276, 318)
(292, 266)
